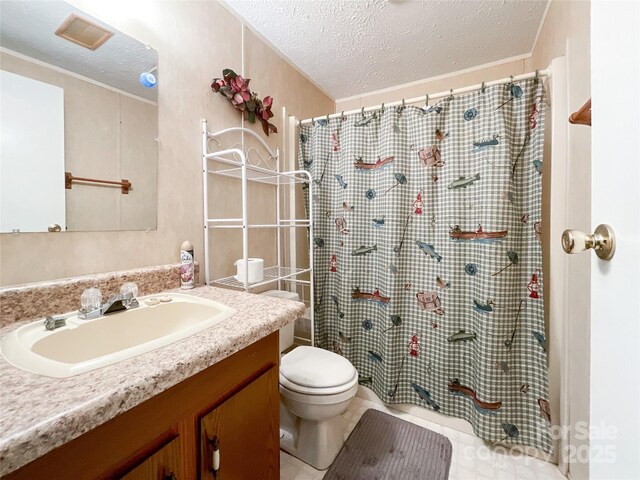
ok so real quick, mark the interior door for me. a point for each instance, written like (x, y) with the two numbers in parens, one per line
(243, 433)
(32, 194)
(615, 200)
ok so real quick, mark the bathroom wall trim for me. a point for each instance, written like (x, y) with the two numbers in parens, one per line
(556, 275)
(246, 24)
(436, 78)
(75, 75)
(540, 27)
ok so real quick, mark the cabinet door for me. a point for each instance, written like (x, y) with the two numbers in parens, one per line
(246, 430)
(164, 464)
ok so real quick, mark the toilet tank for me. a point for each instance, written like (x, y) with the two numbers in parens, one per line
(286, 332)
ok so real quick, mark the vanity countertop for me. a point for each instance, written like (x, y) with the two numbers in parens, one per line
(38, 414)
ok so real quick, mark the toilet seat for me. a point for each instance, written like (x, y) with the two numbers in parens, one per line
(314, 371)
(320, 399)
(316, 368)
(294, 387)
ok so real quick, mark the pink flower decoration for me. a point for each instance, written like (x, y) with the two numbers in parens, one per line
(241, 87)
(217, 84)
(236, 89)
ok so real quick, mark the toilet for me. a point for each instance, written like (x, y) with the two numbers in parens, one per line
(316, 387)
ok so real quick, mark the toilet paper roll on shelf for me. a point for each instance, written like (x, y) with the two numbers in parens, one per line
(256, 270)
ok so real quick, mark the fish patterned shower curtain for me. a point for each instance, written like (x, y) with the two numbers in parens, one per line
(428, 258)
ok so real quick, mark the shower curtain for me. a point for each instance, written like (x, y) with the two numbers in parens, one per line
(428, 260)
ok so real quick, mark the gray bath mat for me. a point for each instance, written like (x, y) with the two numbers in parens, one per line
(384, 447)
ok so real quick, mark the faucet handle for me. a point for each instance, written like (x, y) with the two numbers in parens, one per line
(91, 299)
(129, 290)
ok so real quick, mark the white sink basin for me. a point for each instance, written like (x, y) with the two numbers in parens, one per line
(84, 345)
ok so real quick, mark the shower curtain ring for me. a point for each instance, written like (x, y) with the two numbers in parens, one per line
(536, 77)
(451, 94)
(426, 100)
(482, 88)
(403, 105)
(362, 112)
(313, 120)
(327, 117)
(342, 115)
(382, 107)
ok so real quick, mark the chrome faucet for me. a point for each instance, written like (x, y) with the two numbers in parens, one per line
(116, 303)
(92, 307)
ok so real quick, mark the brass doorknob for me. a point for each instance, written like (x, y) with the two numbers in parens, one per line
(54, 228)
(603, 241)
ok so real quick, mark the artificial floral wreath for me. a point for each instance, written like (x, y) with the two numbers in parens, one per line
(236, 90)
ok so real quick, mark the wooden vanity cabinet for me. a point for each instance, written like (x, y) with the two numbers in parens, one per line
(170, 436)
(238, 428)
(165, 464)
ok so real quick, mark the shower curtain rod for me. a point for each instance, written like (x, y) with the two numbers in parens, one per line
(425, 98)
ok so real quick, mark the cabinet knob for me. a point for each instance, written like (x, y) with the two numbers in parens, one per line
(171, 476)
(215, 455)
(603, 241)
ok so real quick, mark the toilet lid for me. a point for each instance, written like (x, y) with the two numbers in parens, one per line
(316, 368)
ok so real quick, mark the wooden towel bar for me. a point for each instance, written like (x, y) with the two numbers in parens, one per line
(69, 179)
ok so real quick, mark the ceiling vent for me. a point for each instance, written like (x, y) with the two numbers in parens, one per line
(83, 32)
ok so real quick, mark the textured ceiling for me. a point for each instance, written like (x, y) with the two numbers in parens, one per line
(350, 47)
(28, 27)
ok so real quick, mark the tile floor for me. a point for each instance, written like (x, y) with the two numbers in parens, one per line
(471, 459)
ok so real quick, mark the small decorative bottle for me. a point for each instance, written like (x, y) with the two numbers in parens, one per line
(187, 269)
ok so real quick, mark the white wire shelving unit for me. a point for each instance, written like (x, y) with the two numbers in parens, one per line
(235, 162)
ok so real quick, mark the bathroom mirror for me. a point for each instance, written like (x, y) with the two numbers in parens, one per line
(79, 115)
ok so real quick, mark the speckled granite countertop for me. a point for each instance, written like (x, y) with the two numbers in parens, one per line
(38, 414)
